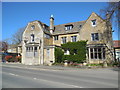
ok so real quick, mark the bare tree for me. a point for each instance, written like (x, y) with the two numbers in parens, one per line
(17, 37)
(3, 46)
(112, 9)
(111, 13)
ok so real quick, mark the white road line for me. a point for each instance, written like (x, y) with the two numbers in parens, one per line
(13, 74)
(58, 82)
(35, 78)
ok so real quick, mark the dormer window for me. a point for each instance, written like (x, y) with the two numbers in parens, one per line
(68, 27)
(93, 22)
(32, 27)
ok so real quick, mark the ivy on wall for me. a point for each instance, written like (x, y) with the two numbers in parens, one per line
(58, 55)
(77, 52)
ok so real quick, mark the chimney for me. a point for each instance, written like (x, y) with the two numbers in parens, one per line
(51, 24)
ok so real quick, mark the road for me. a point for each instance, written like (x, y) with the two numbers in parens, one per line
(14, 77)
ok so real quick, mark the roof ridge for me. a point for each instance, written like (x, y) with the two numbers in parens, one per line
(69, 23)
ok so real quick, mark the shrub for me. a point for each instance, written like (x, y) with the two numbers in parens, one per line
(18, 58)
(77, 51)
(8, 58)
(58, 55)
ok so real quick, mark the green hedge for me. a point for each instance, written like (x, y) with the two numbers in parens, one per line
(79, 56)
(58, 55)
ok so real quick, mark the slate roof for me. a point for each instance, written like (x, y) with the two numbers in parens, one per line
(60, 29)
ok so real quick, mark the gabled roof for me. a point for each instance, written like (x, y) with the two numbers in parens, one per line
(60, 29)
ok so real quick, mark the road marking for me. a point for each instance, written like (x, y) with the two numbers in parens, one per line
(58, 82)
(34, 78)
(13, 74)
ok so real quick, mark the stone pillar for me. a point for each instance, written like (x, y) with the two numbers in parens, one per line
(89, 55)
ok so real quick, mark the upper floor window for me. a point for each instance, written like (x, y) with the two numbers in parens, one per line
(48, 52)
(73, 38)
(95, 36)
(32, 37)
(68, 27)
(32, 27)
(47, 36)
(56, 37)
(35, 49)
(80, 26)
(93, 22)
(63, 40)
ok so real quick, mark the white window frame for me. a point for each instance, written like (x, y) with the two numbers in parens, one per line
(32, 27)
(63, 41)
(94, 37)
(73, 37)
(93, 22)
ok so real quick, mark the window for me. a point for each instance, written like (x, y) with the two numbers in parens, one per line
(68, 27)
(47, 36)
(73, 38)
(32, 37)
(35, 49)
(75, 51)
(80, 26)
(48, 52)
(95, 36)
(93, 22)
(29, 49)
(56, 37)
(66, 52)
(32, 27)
(97, 53)
(63, 40)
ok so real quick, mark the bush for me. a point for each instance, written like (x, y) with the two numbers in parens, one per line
(18, 58)
(77, 51)
(58, 55)
(8, 58)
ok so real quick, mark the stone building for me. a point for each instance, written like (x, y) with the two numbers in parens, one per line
(116, 44)
(39, 40)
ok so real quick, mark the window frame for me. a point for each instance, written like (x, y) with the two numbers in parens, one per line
(56, 37)
(64, 40)
(74, 38)
(93, 22)
(68, 27)
(93, 36)
(32, 27)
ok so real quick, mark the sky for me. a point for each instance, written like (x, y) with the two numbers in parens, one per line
(16, 15)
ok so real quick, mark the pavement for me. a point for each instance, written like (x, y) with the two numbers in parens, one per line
(53, 67)
(29, 76)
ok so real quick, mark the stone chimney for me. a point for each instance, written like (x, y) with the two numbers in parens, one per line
(51, 24)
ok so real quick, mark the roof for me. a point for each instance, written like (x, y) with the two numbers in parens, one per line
(45, 27)
(60, 29)
(116, 43)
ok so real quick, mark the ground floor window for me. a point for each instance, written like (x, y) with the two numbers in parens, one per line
(31, 51)
(97, 53)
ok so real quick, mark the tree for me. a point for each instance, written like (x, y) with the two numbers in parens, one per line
(17, 37)
(112, 9)
(112, 15)
(3, 46)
